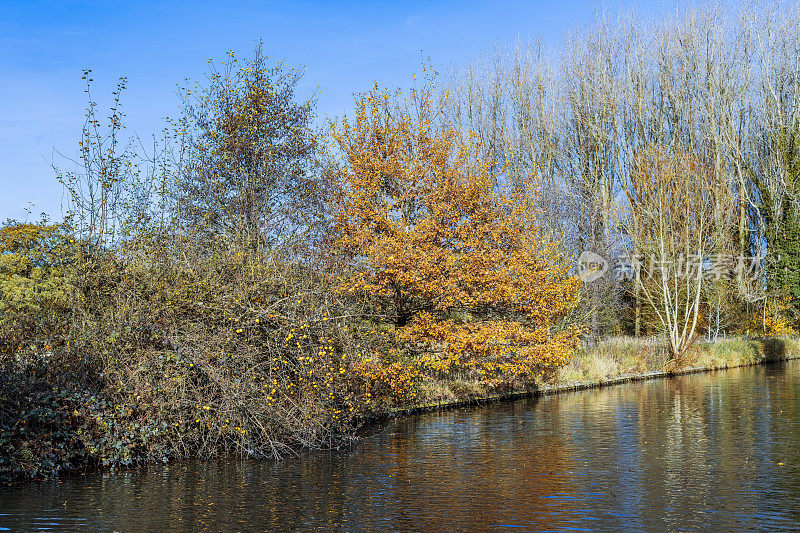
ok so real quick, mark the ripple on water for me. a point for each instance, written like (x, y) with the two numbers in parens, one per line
(707, 451)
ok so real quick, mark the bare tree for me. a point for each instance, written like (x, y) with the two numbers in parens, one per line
(96, 187)
(674, 197)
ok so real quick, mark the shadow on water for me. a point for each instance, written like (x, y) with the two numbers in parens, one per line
(717, 451)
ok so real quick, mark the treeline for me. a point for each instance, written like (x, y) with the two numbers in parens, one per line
(246, 283)
(660, 142)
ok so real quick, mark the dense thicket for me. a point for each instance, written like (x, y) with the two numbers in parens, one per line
(243, 289)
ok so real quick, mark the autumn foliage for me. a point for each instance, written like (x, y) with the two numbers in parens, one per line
(251, 283)
(259, 287)
(453, 256)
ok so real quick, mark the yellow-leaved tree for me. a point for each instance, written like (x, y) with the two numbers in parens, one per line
(456, 259)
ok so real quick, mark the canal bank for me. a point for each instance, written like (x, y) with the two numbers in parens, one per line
(614, 354)
(700, 452)
(613, 361)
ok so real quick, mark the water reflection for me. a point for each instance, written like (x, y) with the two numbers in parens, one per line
(696, 452)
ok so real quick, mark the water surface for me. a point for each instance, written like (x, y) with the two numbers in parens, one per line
(717, 451)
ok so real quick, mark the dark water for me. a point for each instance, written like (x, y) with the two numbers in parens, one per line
(718, 451)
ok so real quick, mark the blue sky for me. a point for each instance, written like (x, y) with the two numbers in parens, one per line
(345, 46)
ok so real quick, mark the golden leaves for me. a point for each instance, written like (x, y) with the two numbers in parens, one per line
(462, 265)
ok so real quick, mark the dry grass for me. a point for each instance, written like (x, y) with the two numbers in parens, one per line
(619, 356)
(613, 358)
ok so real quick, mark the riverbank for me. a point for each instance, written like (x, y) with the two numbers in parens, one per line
(51, 437)
(612, 361)
(564, 461)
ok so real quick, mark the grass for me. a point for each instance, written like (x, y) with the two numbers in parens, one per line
(621, 356)
(614, 358)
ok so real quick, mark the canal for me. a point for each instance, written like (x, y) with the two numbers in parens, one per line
(712, 451)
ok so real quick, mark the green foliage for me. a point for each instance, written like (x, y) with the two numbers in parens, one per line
(37, 277)
(38, 435)
(781, 214)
